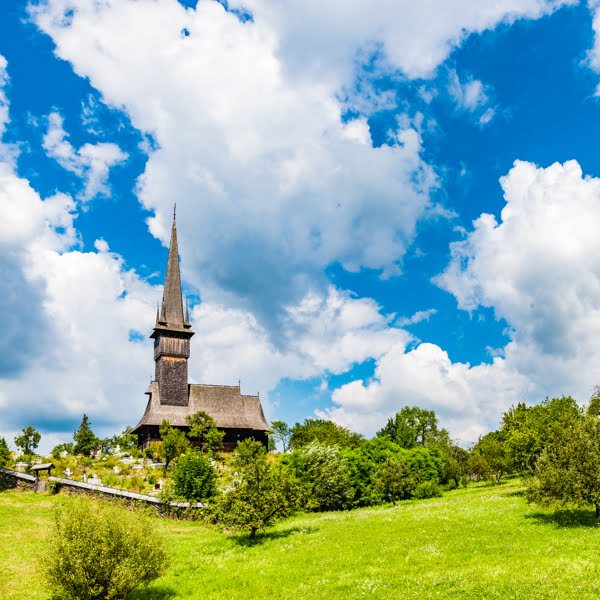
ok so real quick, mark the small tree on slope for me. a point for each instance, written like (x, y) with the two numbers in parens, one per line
(569, 473)
(265, 493)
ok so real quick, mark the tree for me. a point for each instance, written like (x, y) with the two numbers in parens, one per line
(593, 407)
(194, 477)
(126, 441)
(29, 440)
(60, 448)
(282, 433)
(203, 429)
(395, 479)
(5, 455)
(528, 431)
(264, 494)
(412, 426)
(492, 451)
(85, 440)
(568, 473)
(325, 432)
(174, 442)
(102, 551)
(323, 471)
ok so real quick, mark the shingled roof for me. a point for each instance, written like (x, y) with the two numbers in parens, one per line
(224, 403)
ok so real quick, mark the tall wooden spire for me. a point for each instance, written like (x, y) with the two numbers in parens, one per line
(172, 303)
(172, 335)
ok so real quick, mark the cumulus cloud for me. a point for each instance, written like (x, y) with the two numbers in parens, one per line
(91, 162)
(415, 38)
(468, 400)
(272, 184)
(69, 317)
(324, 334)
(539, 268)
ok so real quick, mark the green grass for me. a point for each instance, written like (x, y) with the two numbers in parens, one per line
(481, 542)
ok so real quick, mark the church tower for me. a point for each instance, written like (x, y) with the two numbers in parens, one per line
(172, 335)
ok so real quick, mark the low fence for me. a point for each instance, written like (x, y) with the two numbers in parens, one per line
(14, 479)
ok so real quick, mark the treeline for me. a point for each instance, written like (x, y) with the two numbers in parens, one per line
(327, 467)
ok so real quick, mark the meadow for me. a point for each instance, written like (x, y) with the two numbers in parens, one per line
(480, 542)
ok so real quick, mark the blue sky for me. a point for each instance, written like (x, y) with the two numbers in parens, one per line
(378, 205)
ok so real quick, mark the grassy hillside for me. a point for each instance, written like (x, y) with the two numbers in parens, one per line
(481, 542)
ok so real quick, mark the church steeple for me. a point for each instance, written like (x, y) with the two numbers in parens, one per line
(172, 304)
(172, 335)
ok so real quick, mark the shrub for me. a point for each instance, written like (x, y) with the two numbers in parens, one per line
(55, 487)
(102, 553)
(134, 484)
(394, 479)
(451, 484)
(427, 489)
(324, 472)
(194, 477)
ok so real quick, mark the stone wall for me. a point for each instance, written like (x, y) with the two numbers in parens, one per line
(14, 479)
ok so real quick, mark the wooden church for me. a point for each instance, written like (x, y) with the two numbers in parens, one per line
(171, 397)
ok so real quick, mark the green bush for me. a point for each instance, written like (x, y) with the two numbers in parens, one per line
(55, 487)
(194, 478)
(102, 553)
(323, 471)
(427, 489)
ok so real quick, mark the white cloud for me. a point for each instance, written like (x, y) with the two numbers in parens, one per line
(421, 315)
(247, 122)
(414, 37)
(91, 162)
(539, 268)
(321, 335)
(272, 186)
(472, 96)
(83, 306)
(469, 401)
(3, 100)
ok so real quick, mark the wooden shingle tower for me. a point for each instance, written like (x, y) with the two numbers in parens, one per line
(172, 335)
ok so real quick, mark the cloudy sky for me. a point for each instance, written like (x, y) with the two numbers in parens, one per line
(379, 203)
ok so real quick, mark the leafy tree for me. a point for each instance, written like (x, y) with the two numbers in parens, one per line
(265, 493)
(362, 465)
(492, 451)
(282, 433)
(478, 468)
(194, 477)
(593, 407)
(126, 440)
(59, 448)
(568, 473)
(5, 455)
(394, 479)
(85, 440)
(323, 471)
(174, 443)
(29, 440)
(203, 429)
(104, 552)
(323, 431)
(412, 426)
(528, 431)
